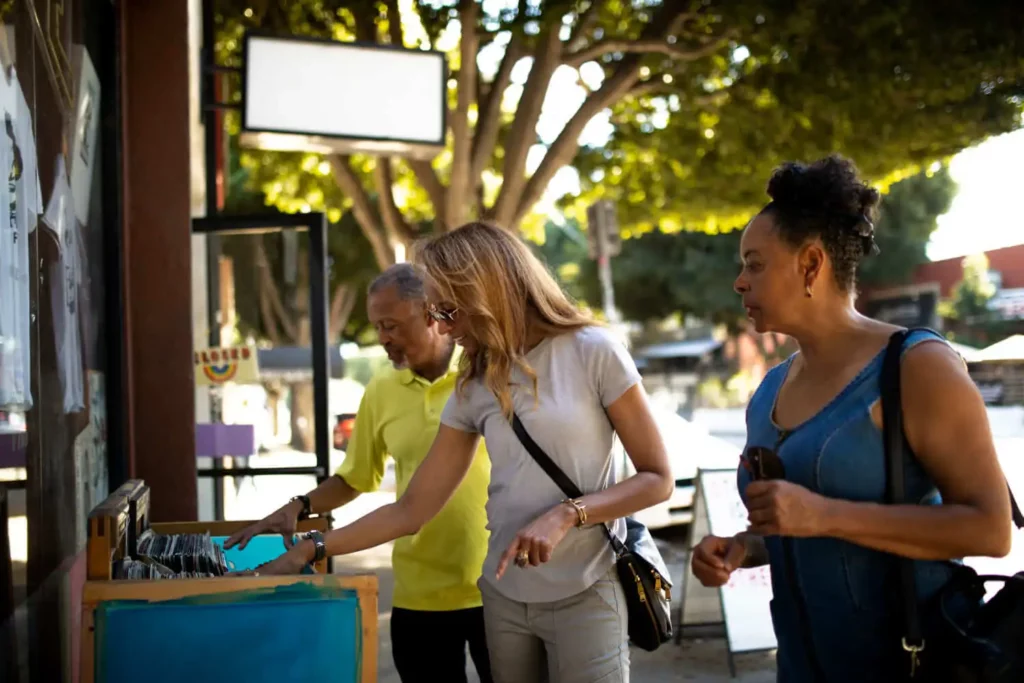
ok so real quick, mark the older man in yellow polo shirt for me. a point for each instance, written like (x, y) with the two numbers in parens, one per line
(437, 608)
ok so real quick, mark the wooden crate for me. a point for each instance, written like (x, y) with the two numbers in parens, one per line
(97, 592)
(111, 532)
(117, 522)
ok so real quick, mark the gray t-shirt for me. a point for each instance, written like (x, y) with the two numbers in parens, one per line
(579, 374)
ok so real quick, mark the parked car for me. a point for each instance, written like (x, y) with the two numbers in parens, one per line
(690, 447)
(343, 425)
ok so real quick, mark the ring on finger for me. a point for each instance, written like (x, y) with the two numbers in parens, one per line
(523, 558)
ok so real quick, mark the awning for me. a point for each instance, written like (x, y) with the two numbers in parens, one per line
(689, 348)
(1010, 349)
(295, 363)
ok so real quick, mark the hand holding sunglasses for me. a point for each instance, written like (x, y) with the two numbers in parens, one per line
(776, 507)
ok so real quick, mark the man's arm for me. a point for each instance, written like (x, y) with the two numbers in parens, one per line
(329, 495)
(361, 471)
(431, 486)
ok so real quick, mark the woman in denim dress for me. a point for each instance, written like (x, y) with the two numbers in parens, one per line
(821, 523)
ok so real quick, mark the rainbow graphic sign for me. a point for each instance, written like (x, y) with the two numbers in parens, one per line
(223, 365)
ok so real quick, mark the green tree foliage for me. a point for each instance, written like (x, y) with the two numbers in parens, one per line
(656, 275)
(972, 294)
(691, 273)
(893, 85)
(907, 218)
(705, 97)
(969, 319)
(495, 104)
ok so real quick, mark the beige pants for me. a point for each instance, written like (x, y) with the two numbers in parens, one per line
(581, 639)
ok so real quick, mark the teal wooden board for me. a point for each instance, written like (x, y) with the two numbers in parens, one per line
(259, 550)
(291, 633)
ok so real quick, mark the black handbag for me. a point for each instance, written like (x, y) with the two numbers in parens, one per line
(642, 571)
(961, 640)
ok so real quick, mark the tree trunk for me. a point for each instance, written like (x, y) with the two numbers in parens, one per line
(302, 417)
(301, 394)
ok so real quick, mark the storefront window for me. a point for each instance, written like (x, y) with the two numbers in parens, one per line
(54, 342)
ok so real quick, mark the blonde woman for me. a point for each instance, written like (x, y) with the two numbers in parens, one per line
(553, 606)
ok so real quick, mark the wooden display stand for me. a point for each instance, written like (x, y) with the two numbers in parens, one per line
(112, 531)
(116, 524)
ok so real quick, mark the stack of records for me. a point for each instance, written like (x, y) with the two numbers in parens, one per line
(176, 556)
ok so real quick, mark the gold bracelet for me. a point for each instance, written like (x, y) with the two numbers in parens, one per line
(581, 511)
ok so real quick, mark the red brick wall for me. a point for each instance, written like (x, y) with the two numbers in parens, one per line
(1009, 261)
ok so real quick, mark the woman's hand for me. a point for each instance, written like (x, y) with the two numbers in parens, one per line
(290, 563)
(716, 558)
(538, 540)
(782, 508)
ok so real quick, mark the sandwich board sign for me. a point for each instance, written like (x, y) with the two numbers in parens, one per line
(742, 605)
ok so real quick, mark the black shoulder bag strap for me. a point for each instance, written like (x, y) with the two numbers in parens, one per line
(896, 449)
(557, 475)
(894, 439)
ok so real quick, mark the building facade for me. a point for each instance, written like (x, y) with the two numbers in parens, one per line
(96, 321)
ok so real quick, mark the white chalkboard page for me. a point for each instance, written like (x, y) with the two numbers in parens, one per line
(744, 601)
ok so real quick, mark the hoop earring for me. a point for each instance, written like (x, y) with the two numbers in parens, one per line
(807, 291)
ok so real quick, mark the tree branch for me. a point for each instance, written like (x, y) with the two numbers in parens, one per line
(460, 185)
(272, 307)
(670, 17)
(395, 225)
(362, 207)
(267, 314)
(565, 146)
(342, 302)
(364, 14)
(489, 122)
(656, 86)
(680, 52)
(524, 127)
(427, 178)
(585, 20)
(394, 23)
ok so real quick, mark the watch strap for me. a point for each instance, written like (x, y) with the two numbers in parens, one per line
(306, 511)
(319, 546)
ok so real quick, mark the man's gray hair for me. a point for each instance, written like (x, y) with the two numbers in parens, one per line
(405, 278)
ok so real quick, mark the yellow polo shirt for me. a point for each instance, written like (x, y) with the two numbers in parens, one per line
(437, 569)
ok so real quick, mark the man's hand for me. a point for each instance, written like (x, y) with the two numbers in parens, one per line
(283, 521)
(716, 558)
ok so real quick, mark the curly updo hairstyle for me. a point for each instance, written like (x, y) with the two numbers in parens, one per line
(826, 199)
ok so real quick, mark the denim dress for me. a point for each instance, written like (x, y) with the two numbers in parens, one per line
(838, 610)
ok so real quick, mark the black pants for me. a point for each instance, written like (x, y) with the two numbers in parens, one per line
(431, 646)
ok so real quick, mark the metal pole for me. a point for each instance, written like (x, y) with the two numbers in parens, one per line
(319, 284)
(211, 119)
(318, 307)
(604, 270)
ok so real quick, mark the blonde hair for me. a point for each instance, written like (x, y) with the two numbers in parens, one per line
(493, 277)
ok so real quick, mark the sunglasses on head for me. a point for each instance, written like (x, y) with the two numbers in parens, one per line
(763, 464)
(442, 315)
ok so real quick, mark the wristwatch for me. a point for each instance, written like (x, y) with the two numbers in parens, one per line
(305, 506)
(319, 546)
